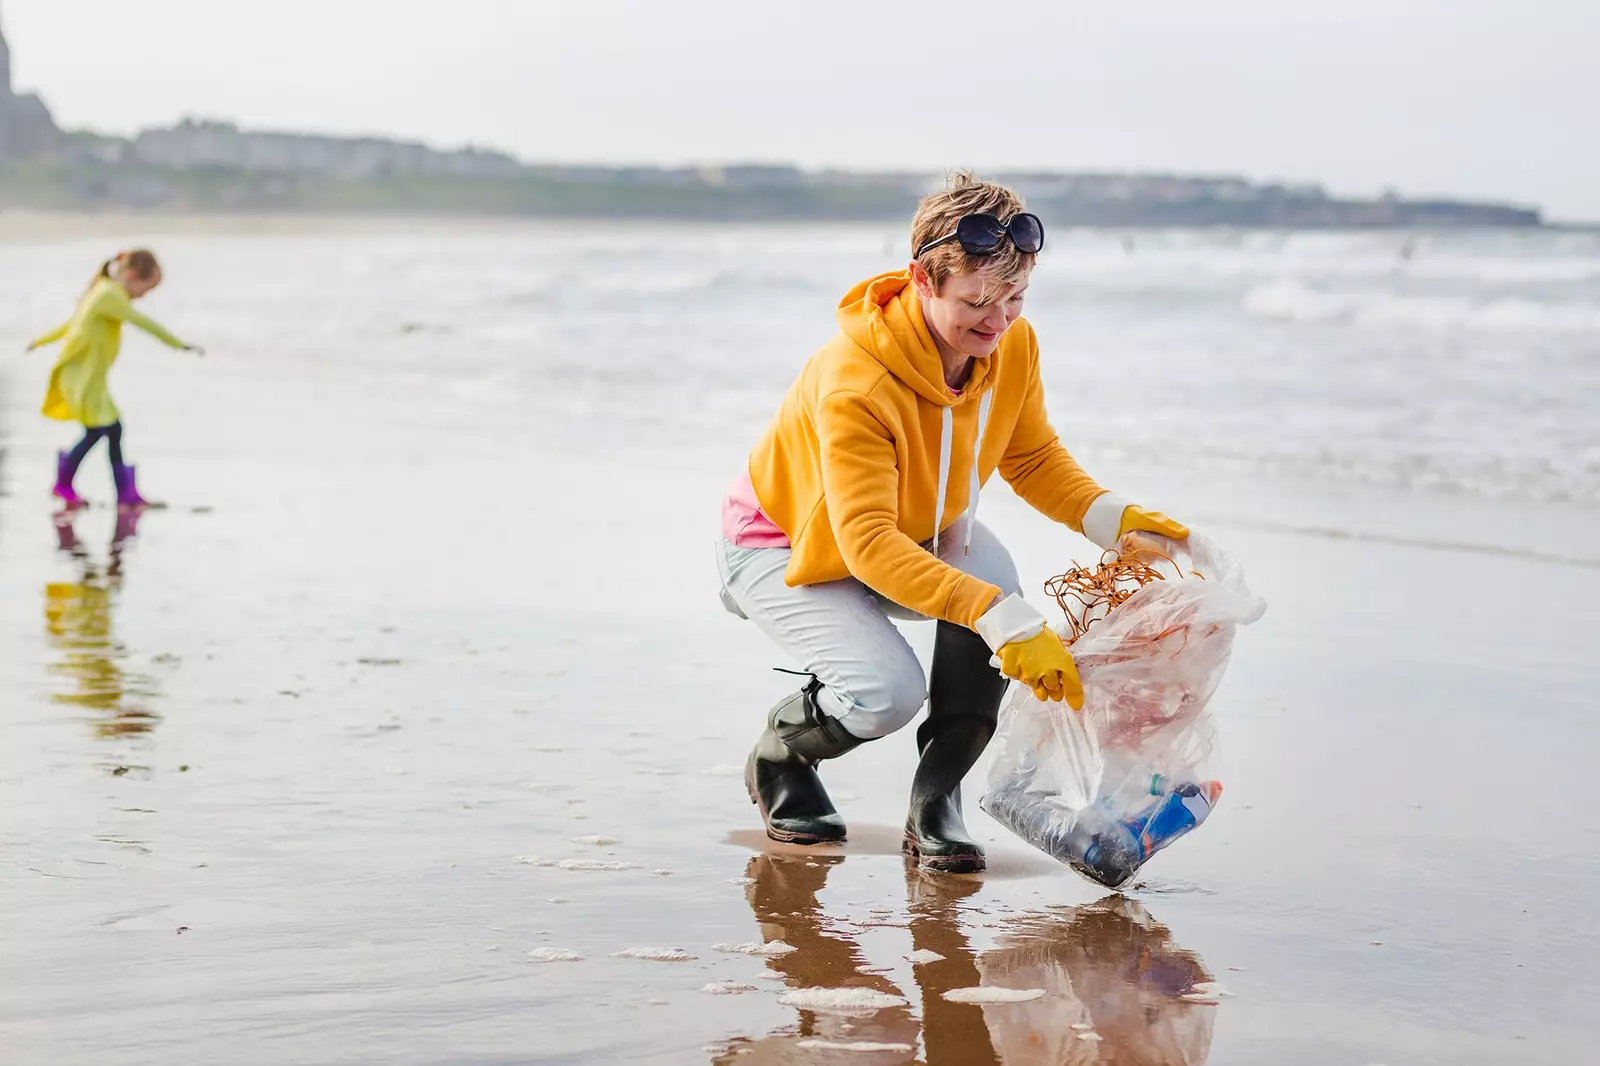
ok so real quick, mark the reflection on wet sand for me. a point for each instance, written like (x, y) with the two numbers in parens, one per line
(1113, 981)
(78, 616)
(1110, 967)
(783, 898)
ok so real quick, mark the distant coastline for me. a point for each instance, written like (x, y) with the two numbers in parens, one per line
(713, 193)
(208, 166)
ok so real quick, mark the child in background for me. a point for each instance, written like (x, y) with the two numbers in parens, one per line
(93, 337)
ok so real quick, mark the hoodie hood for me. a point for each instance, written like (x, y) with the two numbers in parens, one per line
(884, 316)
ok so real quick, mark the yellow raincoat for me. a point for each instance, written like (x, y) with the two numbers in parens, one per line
(93, 335)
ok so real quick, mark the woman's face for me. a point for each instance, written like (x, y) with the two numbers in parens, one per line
(960, 318)
(138, 286)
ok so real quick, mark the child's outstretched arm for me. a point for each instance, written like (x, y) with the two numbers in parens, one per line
(120, 307)
(50, 337)
(152, 327)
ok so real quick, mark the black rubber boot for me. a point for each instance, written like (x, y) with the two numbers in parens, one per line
(781, 773)
(964, 695)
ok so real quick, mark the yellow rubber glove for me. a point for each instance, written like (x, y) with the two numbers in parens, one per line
(1043, 663)
(1138, 520)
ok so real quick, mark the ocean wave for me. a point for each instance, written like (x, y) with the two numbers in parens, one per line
(1529, 477)
(1289, 300)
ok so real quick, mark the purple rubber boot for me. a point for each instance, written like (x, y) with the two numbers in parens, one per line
(128, 497)
(65, 471)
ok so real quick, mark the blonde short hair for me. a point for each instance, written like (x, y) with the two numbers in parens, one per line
(937, 216)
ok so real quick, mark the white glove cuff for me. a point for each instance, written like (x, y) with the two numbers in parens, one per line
(1011, 619)
(1102, 522)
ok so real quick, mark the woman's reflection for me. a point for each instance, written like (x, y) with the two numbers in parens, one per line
(954, 1033)
(1112, 971)
(78, 616)
(1113, 980)
(783, 897)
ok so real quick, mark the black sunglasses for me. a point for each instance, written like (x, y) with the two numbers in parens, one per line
(981, 234)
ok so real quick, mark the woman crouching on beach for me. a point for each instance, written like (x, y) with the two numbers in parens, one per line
(859, 505)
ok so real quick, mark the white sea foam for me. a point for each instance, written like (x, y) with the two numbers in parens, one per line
(923, 955)
(771, 949)
(840, 1000)
(727, 988)
(554, 955)
(1294, 301)
(654, 954)
(575, 864)
(993, 994)
(818, 1044)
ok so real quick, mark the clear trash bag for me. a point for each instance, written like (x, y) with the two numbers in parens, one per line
(1104, 789)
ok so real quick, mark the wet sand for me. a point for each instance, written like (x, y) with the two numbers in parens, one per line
(291, 769)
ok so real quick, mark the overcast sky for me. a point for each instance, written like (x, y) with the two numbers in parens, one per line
(1484, 98)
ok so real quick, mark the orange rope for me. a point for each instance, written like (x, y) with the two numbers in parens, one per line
(1082, 592)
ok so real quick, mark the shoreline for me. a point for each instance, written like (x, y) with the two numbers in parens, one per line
(32, 222)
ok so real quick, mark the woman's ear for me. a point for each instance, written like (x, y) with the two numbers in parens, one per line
(921, 281)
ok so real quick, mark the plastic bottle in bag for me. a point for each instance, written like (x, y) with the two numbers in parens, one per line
(1106, 788)
(1108, 845)
(1173, 815)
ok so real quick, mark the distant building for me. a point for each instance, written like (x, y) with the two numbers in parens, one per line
(26, 126)
(196, 143)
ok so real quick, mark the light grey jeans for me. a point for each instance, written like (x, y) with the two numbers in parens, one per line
(841, 630)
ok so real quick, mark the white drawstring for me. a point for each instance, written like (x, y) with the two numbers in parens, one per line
(946, 434)
(977, 458)
(946, 437)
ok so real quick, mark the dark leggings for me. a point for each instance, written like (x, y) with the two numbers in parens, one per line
(91, 437)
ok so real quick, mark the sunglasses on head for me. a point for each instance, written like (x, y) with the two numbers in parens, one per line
(981, 234)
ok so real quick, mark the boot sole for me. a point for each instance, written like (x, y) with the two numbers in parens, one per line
(943, 864)
(785, 836)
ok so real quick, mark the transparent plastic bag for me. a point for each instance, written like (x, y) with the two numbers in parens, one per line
(1104, 789)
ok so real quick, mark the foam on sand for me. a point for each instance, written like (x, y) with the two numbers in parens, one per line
(575, 864)
(840, 1000)
(654, 954)
(993, 994)
(727, 988)
(771, 949)
(816, 1044)
(554, 955)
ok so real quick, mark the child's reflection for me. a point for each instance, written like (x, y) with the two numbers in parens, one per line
(78, 617)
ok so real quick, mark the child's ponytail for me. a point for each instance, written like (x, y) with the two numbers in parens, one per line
(140, 263)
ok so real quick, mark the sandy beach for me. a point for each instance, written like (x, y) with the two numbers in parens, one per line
(319, 765)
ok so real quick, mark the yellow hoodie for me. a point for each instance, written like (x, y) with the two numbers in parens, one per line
(852, 467)
(78, 389)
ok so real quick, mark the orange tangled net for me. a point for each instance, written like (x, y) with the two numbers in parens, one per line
(1086, 595)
